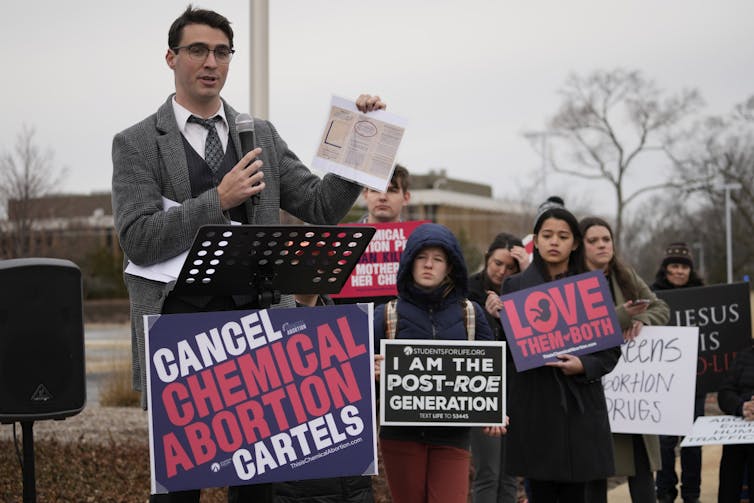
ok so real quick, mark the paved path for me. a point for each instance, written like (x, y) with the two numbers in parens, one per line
(108, 348)
(710, 464)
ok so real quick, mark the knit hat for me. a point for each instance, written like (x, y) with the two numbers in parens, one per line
(550, 203)
(678, 253)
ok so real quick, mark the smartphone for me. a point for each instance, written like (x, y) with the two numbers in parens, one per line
(640, 301)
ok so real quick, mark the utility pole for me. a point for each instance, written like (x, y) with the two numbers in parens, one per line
(260, 58)
(728, 231)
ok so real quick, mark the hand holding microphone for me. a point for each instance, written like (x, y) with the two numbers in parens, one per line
(245, 127)
(244, 181)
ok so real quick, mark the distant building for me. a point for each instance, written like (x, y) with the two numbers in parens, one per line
(77, 226)
(67, 226)
(466, 208)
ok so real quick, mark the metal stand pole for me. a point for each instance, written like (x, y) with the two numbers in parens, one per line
(30, 487)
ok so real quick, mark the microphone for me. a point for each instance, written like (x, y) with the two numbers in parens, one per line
(245, 127)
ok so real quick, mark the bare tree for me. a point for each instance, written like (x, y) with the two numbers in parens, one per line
(26, 173)
(607, 120)
(719, 152)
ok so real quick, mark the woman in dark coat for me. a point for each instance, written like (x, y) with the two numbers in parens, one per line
(430, 463)
(505, 256)
(736, 398)
(559, 433)
(677, 271)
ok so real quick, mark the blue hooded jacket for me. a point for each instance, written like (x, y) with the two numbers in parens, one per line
(433, 315)
(426, 314)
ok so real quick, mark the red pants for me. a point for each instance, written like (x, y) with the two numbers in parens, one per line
(423, 473)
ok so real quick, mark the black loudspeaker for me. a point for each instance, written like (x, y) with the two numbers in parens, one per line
(42, 365)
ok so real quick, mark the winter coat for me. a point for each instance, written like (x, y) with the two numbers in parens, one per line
(431, 315)
(658, 313)
(331, 490)
(559, 428)
(662, 283)
(738, 386)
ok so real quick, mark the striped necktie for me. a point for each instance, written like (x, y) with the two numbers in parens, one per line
(213, 149)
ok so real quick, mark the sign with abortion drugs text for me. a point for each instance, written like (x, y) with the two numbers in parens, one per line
(651, 389)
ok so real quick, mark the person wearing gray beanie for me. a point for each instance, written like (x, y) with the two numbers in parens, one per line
(550, 203)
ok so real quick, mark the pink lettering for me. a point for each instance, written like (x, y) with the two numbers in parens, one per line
(519, 331)
(592, 299)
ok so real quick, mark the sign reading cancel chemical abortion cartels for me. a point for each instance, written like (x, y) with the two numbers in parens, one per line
(574, 315)
(249, 397)
(375, 273)
(451, 383)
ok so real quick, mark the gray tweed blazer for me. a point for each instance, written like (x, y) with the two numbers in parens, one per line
(149, 162)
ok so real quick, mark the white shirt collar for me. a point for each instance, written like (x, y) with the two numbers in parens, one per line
(182, 115)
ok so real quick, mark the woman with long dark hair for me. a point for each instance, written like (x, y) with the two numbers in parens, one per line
(636, 456)
(505, 256)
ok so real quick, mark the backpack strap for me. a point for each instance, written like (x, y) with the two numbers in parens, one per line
(469, 318)
(391, 318)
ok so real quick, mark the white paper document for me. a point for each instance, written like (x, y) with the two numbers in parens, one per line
(360, 147)
(165, 271)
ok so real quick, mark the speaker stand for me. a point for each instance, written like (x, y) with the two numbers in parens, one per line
(30, 485)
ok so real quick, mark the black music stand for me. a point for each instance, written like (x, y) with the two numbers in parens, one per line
(267, 261)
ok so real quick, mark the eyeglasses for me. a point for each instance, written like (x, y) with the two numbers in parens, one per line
(199, 52)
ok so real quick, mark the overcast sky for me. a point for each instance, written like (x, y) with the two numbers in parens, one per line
(469, 76)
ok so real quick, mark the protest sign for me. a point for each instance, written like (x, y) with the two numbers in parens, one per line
(442, 383)
(723, 315)
(374, 274)
(574, 315)
(245, 397)
(651, 389)
(720, 430)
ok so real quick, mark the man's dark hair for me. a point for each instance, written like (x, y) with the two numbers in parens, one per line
(401, 177)
(198, 16)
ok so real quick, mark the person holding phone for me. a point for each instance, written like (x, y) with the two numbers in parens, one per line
(636, 456)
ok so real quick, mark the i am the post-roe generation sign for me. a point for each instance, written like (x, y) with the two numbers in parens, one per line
(249, 397)
(574, 315)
